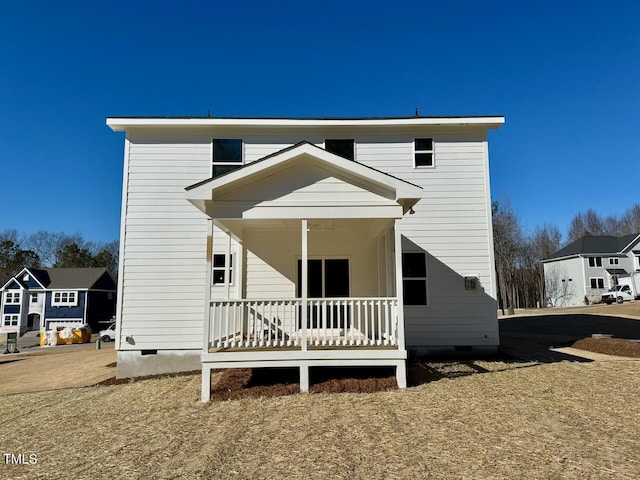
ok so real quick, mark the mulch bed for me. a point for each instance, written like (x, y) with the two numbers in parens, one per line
(610, 346)
(273, 382)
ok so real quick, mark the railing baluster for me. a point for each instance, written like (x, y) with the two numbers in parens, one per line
(380, 320)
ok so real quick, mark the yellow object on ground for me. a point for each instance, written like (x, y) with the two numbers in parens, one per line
(80, 335)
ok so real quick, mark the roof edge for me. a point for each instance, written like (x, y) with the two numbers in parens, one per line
(118, 124)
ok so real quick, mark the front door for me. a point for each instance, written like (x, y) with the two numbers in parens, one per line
(326, 278)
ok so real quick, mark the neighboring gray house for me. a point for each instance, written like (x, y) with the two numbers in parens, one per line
(268, 242)
(588, 267)
(39, 299)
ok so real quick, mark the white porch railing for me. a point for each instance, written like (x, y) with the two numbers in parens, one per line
(278, 323)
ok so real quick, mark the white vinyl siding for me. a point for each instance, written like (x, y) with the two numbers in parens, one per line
(164, 274)
(272, 273)
(452, 224)
(165, 243)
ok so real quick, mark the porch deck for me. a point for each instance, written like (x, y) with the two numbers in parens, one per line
(303, 333)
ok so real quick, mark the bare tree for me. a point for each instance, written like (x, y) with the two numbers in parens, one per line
(559, 288)
(507, 238)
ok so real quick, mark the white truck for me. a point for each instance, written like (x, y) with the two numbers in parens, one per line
(628, 288)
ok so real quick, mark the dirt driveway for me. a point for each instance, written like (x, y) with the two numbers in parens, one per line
(49, 368)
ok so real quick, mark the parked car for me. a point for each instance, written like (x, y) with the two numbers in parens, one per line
(618, 293)
(109, 334)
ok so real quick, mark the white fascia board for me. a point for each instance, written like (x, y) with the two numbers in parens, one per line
(631, 244)
(549, 260)
(120, 124)
(34, 277)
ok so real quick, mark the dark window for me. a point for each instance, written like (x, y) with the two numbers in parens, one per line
(342, 147)
(218, 268)
(595, 261)
(414, 278)
(34, 298)
(601, 283)
(423, 151)
(227, 150)
(227, 155)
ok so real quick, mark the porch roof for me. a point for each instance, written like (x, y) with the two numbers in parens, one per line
(304, 181)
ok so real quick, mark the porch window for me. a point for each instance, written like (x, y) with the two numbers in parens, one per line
(12, 298)
(219, 268)
(227, 155)
(595, 261)
(341, 146)
(423, 152)
(11, 320)
(64, 299)
(414, 278)
(597, 282)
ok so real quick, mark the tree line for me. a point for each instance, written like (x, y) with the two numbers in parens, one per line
(520, 275)
(53, 249)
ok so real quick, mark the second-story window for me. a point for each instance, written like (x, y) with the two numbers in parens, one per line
(423, 152)
(341, 146)
(227, 155)
(64, 299)
(12, 298)
(595, 261)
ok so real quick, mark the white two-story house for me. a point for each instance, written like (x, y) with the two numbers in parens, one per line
(588, 267)
(269, 242)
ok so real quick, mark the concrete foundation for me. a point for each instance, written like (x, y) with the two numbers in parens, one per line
(132, 363)
(450, 351)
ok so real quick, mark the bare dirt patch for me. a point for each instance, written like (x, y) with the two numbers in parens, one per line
(610, 346)
(49, 368)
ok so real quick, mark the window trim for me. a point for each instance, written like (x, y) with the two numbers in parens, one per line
(614, 261)
(238, 164)
(421, 279)
(353, 141)
(34, 297)
(597, 280)
(60, 302)
(416, 152)
(14, 295)
(10, 320)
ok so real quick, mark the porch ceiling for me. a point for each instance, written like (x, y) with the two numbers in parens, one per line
(304, 181)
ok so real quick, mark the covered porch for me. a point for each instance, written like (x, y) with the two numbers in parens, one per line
(303, 265)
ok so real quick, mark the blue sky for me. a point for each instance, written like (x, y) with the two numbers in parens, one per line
(566, 74)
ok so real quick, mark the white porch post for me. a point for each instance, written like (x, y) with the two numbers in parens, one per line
(205, 394)
(227, 270)
(401, 369)
(304, 285)
(207, 291)
(399, 288)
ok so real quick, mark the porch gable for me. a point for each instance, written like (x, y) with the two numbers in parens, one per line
(304, 181)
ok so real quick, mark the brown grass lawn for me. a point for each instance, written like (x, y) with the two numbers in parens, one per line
(562, 420)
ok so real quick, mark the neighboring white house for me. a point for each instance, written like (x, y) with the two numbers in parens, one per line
(588, 267)
(257, 242)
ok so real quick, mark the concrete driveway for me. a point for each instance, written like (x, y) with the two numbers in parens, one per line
(530, 335)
